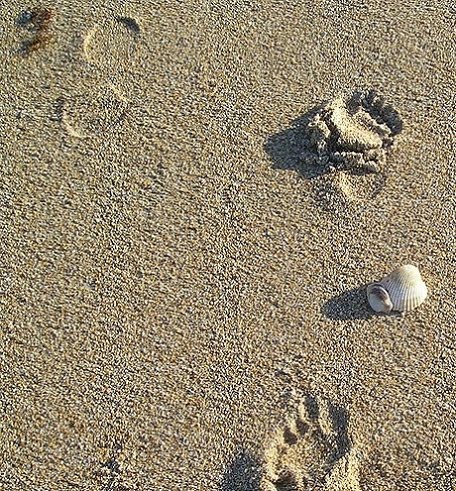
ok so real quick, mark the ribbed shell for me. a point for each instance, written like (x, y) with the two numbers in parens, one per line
(405, 287)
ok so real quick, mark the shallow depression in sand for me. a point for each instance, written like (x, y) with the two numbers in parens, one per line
(113, 42)
(314, 450)
(89, 115)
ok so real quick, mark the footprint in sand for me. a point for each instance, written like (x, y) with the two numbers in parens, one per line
(112, 46)
(313, 452)
(90, 114)
(341, 147)
(348, 140)
(112, 42)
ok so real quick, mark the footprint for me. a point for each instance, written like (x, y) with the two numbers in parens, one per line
(353, 134)
(113, 43)
(113, 47)
(340, 147)
(90, 114)
(36, 24)
(313, 452)
(110, 472)
(348, 140)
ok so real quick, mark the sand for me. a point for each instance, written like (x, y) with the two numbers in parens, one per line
(182, 296)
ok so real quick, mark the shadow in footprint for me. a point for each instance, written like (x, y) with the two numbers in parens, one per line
(348, 305)
(341, 147)
(243, 473)
(130, 24)
(289, 148)
(311, 404)
(340, 420)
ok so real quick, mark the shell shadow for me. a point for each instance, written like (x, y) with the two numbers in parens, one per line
(287, 149)
(242, 474)
(348, 305)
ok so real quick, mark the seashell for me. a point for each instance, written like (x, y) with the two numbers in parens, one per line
(401, 291)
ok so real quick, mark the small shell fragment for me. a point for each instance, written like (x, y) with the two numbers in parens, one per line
(401, 291)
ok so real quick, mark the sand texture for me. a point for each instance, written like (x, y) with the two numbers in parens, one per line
(194, 197)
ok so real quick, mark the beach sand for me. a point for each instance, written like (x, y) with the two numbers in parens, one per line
(183, 298)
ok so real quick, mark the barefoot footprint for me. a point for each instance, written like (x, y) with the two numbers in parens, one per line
(113, 42)
(90, 114)
(113, 47)
(348, 141)
(313, 452)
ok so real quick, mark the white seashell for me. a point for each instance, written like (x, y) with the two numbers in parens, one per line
(379, 298)
(401, 291)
